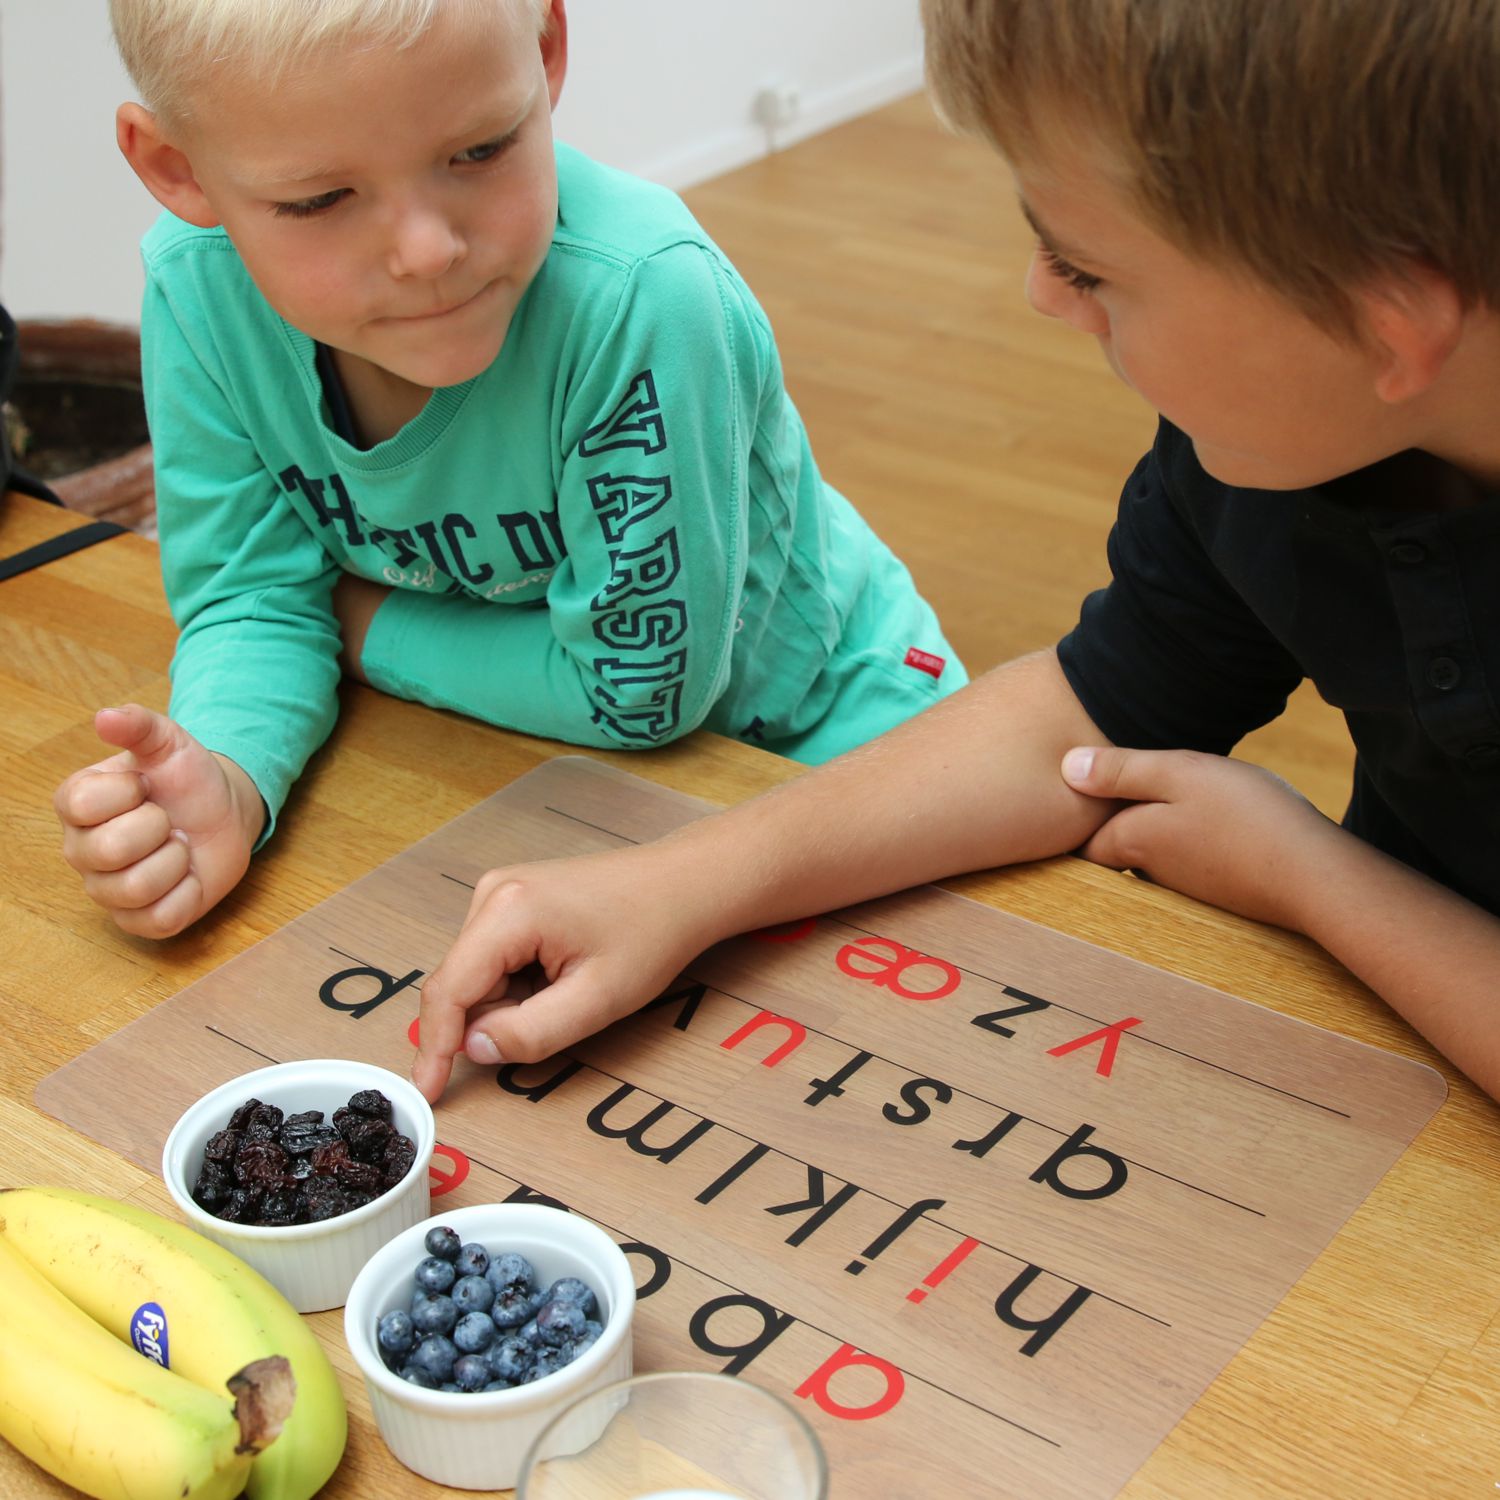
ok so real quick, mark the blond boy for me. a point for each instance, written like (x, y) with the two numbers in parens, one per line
(1280, 220)
(496, 423)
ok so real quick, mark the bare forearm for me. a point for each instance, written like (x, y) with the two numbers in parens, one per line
(972, 783)
(1428, 953)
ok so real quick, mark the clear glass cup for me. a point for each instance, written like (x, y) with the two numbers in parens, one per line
(676, 1436)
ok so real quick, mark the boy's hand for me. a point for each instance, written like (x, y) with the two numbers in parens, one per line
(550, 953)
(1221, 830)
(162, 831)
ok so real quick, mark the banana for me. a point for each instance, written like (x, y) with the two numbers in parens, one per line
(152, 1282)
(92, 1412)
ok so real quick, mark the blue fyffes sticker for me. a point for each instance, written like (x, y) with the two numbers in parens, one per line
(148, 1332)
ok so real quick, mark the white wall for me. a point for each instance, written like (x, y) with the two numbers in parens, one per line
(665, 88)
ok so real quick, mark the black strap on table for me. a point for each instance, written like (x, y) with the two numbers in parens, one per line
(58, 546)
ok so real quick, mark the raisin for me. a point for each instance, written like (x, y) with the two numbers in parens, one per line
(343, 1117)
(326, 1160)
(283, 1207)
(241, 1117)
(325, 1198)
(261, 1164)
(303, 1140)
(264, 1124)
(372, 1102)
(305, 1117)
(301, 1168)
(243, 1206)
(397, 1159)
(367, 1137)
(214, 1184)
(222, 1145)
(358, 1200)
(360, 1177)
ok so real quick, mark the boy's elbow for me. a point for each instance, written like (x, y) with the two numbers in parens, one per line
(646, 721)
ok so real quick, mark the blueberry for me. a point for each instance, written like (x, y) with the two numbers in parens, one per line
(418, 1377)
(528, 1332)
(510, 1359)
(473, 1294)
(546, 1363)
(443, 1242)
(571, 1289)
(471, 1373)
(435, 1274)
(474, 1333)
(394, 1333)
(496, 1385)
(451, 1385)
(472, 1260)
(434, 1357)
(588, 1338)
(559, 1323)
(435, 1315)
(511, 1307)
(510, 1270)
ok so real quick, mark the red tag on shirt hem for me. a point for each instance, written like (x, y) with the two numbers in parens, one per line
(925, 661)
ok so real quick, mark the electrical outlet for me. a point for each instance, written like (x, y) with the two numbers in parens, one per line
(777, 105)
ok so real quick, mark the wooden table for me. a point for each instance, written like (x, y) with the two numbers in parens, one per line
(1378, 1375)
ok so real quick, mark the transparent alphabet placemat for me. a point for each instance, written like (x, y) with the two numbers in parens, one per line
(992, 1206)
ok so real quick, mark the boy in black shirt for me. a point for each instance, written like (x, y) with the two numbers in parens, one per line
(1281, 220)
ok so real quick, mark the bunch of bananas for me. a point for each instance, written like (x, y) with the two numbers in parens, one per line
(82, 1279)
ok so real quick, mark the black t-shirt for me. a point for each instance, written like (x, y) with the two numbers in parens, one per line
(1374, 587)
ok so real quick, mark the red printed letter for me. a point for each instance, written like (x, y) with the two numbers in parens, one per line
(796, 1035)
(788, 934)
(847, 1357)
(1109, 1035)
(444, 1181)
(881, 961)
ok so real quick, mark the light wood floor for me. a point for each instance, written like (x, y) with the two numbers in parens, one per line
(986, 444)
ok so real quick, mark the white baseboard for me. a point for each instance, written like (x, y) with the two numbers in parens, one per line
(686, 167)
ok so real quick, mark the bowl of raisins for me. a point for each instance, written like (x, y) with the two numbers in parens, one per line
(474, 1329)
(304, 1170)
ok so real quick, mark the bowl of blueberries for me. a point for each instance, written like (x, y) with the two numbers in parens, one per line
(474, 1329)
(304, 1170)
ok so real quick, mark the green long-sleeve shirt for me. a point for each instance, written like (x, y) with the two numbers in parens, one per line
(628, 482)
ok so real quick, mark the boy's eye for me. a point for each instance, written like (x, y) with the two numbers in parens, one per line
(1080, 281)
(487, 151)
(303, 208)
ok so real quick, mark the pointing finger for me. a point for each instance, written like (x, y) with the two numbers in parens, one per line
(495, 940)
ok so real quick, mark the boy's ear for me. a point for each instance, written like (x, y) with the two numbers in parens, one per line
(1416, 321)
(555, 49)
(163, 167)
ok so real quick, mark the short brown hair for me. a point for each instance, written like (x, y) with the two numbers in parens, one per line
(1316, 143)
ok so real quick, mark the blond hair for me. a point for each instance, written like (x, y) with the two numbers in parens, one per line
(170, 46)
(1318, 144)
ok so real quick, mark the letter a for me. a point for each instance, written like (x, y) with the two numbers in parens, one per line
(846, 1357)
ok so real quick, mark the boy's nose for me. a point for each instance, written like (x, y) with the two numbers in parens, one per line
(424, 245)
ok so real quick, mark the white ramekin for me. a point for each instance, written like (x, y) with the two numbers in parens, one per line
(476, 1440)
(313, 1265)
